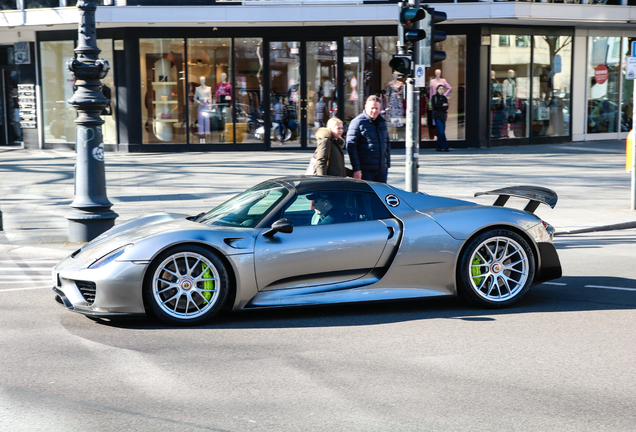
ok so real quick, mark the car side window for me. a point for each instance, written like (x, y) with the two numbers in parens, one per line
(330, 207)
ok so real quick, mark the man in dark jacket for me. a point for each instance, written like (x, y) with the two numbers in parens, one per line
(368, 143)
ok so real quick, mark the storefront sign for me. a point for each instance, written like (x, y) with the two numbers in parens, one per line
(26, 106)
(600, 74)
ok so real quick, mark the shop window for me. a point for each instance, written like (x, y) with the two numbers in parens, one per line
(109, 128)
(285, 93)
(627, 99)
(57, 88)
(391, 89)
(210, 90)
(551, 83)
(509, 90)
(36, 4)
(451, 73)
(8, 4)
(604, 59)
(504, 40)
(163, 91)
(322, 86)
(358, 68)
(248, 88)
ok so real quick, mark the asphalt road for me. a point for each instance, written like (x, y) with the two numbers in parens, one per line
(562, 360)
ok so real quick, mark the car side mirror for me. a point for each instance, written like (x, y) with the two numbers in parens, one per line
(281, 225)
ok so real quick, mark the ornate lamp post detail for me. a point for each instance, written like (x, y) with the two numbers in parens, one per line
(91, 214)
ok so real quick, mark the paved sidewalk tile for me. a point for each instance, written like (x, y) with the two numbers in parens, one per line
(37, 186)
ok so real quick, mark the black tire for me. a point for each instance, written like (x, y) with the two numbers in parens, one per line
(496, 269)
(193, 294)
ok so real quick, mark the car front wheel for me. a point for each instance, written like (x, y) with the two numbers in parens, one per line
(496, 269)
(186, 285)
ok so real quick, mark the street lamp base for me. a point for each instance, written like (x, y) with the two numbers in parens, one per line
(85, 226)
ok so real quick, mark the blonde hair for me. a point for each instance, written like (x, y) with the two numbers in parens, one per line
(334, 121)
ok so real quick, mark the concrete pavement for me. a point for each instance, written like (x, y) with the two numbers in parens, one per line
(36, 186)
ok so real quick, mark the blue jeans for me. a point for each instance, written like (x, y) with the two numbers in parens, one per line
(378, 176)
(442, 144)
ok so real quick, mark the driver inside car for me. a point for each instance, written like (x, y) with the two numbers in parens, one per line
(327, 208)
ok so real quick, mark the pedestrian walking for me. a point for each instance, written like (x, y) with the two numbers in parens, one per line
(330, 149)
(368, 143)
(440, 108)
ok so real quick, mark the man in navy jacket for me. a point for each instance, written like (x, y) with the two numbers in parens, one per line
(368, 143)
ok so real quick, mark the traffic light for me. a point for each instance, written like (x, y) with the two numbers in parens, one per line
(428, 54)
(409, 33)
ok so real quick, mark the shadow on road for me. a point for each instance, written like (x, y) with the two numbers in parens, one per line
(574, 296)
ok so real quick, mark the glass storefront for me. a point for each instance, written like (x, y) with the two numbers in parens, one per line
(285, 92)
(551, 83)
(322, 89)
(210, 90)
(603, 72)
(248, 88)
(162, 63)
(530, 84)
(58, 86)
(358, 70)
(627, 99)
(451, 73)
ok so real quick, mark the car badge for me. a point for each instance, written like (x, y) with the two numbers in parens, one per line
(392, 200)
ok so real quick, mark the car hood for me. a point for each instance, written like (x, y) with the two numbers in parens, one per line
(169, 226)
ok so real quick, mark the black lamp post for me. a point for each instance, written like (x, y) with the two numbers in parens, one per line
(91, 214)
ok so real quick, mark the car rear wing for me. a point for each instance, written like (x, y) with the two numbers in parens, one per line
(537, 195)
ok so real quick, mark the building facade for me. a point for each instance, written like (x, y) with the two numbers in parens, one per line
(205, 75)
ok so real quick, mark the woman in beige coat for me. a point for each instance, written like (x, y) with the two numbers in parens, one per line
(330, 149)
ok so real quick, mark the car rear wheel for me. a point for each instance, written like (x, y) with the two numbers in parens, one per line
(186, 285)
(496, 269)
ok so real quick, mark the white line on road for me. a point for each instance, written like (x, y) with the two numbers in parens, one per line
(608, 287)
(31, 261)
(25, 277)
(24, 289)
(555, 283)
(15, 269)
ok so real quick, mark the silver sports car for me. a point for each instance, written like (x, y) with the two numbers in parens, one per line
(312, 240)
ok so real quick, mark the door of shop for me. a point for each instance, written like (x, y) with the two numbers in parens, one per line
(303, 90)
(10, 131)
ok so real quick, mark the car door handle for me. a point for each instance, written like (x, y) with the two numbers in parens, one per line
(391, 232)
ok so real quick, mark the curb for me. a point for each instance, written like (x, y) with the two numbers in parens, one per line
(614, 227)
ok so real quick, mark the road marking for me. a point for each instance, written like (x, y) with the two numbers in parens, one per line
(24, 289)
(612, 288)
(15, 269)
(555, 283)
(24, 276)
(35, 260)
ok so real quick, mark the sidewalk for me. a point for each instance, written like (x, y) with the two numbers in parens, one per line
(36, 186)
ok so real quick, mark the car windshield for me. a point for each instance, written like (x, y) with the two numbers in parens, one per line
(246, 209)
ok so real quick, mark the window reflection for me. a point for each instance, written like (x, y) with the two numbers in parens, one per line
(510, 85)
(551, 85)
(627, 100)
(248, 89)
(603, 85)
(322, 94)
(210, 90)
(285, 93)
(162, 90)
(358, 67)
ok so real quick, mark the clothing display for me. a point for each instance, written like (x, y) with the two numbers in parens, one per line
(432, 89)
(223, 93)
(395, 96)
(203, 97)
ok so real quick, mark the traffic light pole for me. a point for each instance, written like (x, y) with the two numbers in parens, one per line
(412, 138)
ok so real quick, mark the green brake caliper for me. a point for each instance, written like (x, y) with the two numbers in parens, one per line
(476, 270)
(208, 284)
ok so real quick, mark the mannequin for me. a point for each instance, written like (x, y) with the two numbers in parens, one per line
(203, 99)
(223, 91)
(510, 100)
(395, 96)
(328, 93)
(432, 86)
(438, 80)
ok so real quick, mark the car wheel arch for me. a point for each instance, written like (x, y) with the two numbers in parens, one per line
(516, 230)
(231, 297)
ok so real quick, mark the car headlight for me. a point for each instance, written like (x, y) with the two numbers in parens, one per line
(112, 256)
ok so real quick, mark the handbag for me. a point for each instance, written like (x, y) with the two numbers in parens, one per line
(311, 168)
